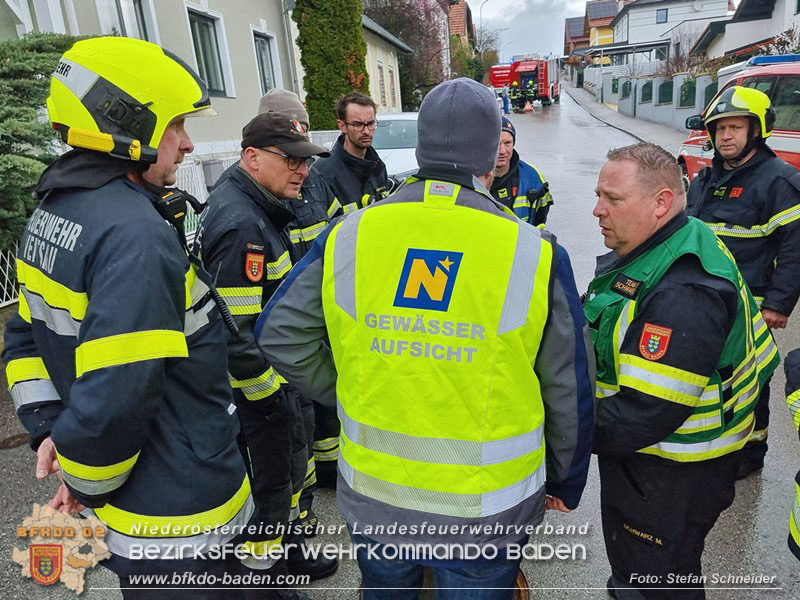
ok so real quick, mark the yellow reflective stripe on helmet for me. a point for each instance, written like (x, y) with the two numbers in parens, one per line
(279, 268)
(258, 388)
(23, 309)
(662, 381)
(95, 473)
(242, 300)
(25, 369)
(307, 234)
(793, 400)
(54, 293)
(157, 526)
(334, 208)
(126, 348)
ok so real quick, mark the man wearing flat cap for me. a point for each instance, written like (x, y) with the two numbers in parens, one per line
(450, 335)
(243, 242)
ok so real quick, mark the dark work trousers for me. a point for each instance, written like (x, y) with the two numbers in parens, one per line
(310, 476)
(326, 444)
(756, 448)
(274, 452)
(656, 514)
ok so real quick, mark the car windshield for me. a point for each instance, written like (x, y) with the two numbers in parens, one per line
(395, 133)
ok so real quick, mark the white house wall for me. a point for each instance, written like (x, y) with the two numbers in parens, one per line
(641, 23)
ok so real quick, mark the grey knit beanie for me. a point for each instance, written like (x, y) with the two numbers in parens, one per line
(459, 125)
(284, 102)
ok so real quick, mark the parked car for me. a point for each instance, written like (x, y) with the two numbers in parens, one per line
(396, 142)
(779, 78)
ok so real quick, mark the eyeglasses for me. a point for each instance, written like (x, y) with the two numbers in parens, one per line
(293, 162)
(359, 126)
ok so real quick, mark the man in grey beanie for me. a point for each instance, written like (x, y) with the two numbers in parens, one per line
(450, 336)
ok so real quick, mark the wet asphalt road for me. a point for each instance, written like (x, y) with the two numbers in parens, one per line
(568, 146)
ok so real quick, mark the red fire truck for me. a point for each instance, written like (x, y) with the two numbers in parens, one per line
(543, 76)
(500, 75)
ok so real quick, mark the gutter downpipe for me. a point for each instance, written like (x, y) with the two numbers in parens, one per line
(290, 46)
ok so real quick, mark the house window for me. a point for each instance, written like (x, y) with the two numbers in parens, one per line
(661, 15)
(130, 18)
(392, 87)
(382, 84)
(266, 71)
(206, 49)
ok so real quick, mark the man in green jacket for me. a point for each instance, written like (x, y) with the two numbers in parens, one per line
(682, 351)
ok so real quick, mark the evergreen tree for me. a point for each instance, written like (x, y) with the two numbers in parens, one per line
(332, 52)
(26, 139)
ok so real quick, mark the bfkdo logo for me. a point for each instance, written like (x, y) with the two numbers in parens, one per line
(46, 562)
(427, 279)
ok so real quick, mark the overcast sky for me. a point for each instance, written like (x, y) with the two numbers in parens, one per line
(533, 26)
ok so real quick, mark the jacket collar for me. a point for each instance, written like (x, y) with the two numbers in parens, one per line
(609, 262)
(361, 166)
(277, 213)
(505, 180)
(721, 174)
(85, 169)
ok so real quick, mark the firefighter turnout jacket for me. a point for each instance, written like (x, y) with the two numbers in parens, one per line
(244, 244)
(118, 353)
(458, 396)
(755, 210)
(356, 182)
(681, 347)
(525, 191)
(313, 209)
(792, 367)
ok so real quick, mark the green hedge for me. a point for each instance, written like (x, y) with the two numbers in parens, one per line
(332, 52)
(25, 141)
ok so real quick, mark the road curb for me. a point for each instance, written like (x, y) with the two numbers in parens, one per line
(617, 127)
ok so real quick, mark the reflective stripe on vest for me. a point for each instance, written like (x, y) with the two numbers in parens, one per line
(423, 324)
(722, 419)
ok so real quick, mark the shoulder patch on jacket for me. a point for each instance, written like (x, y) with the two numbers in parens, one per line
(254, 266)
(625, 286)
(654, 341)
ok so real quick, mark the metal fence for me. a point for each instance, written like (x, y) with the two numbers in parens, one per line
(8, 277)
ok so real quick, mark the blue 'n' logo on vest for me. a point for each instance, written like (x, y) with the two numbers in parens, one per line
(427, 279)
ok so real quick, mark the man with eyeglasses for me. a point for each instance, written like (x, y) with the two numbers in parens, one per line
(244, 243)
(354, 171)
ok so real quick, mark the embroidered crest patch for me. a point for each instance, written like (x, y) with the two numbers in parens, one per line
(254, 266)
(654, 341)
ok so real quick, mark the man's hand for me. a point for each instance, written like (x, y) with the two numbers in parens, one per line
(46, 460)
(774, 319)
(553, 503)
(64, 502)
